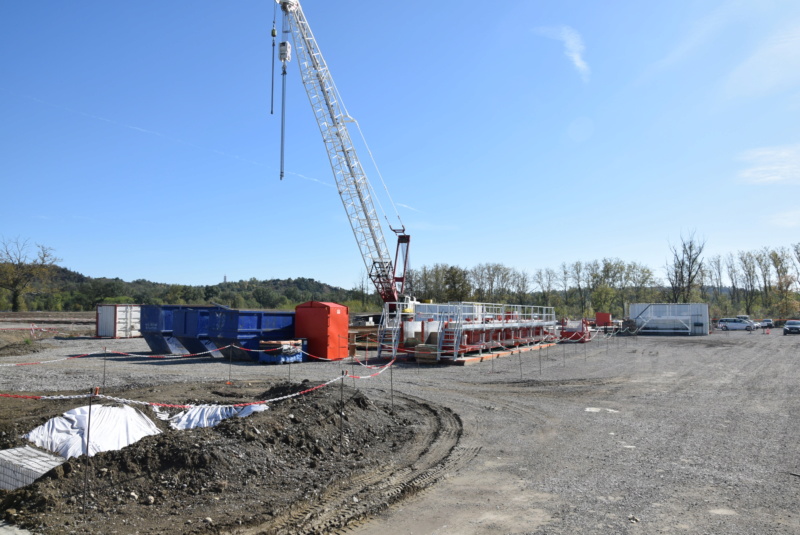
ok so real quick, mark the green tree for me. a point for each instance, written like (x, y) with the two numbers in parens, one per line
(20, 268)
(268, 298)
(103, 290)
(603, 298)
(456, 283)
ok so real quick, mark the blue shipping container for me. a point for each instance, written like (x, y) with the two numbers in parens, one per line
(157, 329)
(246, 328)
(190, 327)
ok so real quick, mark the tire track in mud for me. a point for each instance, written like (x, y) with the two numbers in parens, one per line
(433, 454)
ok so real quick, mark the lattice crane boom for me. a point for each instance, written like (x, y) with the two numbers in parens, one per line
(351, 181)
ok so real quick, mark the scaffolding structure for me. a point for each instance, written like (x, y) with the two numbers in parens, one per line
(450, 331)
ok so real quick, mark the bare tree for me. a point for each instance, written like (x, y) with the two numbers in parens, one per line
(578, 276)
(764, 263)
(479, 279)
(20, 268)
(490, 281)
(504, 287)
(782, 262)
(747, 261)
(522, 286)
(734, 276)
(544, 279)
(715, 275)
(564, 279)
(796, 250)
(684, 271)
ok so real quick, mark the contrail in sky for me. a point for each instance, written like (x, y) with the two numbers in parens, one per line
(139, 129)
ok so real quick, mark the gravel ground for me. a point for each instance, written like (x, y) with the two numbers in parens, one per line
(631, 435)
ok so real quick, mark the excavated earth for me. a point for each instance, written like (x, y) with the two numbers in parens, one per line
(309, 464)
(269, 472)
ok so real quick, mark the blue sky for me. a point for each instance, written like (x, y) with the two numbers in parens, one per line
(136, 137)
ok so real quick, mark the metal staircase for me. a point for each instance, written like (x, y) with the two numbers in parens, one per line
(450, 340)
(389, 333)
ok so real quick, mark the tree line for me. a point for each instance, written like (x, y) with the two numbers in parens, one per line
(70, 291)
(576, 289)
(760, 283)
(30, 279)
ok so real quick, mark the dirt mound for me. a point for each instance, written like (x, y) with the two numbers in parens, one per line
(13, 343)
(318, 453)
(21, 348)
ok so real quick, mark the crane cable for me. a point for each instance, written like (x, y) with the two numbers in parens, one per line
(284, 58)
(347, 117)
(380, 175)
(274, 35)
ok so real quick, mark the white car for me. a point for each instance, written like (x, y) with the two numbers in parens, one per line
(735, 324)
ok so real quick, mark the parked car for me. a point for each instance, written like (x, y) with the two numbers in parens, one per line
(767, 324)
(756, 324)
(735, 324)
(791, 327)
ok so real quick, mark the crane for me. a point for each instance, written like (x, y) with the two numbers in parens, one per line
(354, 189)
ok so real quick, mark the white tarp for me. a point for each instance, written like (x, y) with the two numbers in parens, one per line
(112, 428)
(210, 415)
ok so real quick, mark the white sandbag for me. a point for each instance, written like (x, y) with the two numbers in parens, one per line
(211, 415)
(112, 428)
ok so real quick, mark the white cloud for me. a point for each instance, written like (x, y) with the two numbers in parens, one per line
(772, 165)
(773, 66)
(573, 46)
(789, 219)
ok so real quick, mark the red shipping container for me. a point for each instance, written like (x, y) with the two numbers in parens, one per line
(325, 327)
(603, 319)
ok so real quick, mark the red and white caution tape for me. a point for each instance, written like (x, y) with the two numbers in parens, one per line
(170, 355)
(169, 405)
(49, 361)
(380, 369)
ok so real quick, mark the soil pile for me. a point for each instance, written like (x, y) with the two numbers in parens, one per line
(19, 343)
(307, 464)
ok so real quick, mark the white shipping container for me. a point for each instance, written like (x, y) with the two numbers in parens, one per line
(118, 321)
(691, 319)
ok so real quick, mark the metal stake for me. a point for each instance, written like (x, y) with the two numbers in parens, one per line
(341, 415)
(391, 383)
(88, 440)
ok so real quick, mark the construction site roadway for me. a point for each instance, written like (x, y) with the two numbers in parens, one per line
(620, 435)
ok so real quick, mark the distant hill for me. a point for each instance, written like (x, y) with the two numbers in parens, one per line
(68, 290)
